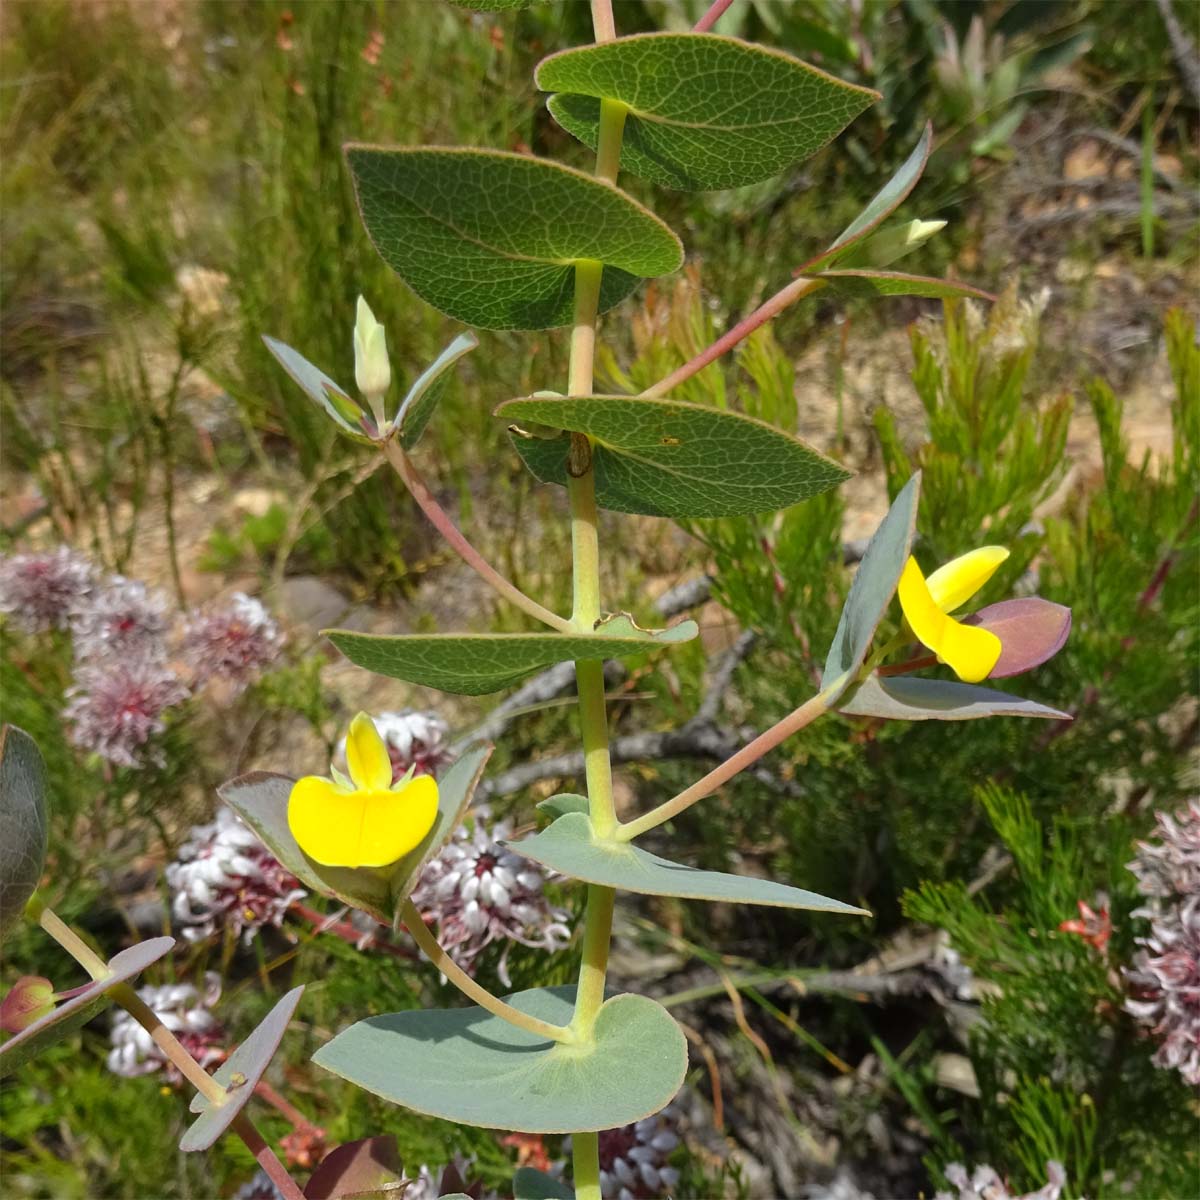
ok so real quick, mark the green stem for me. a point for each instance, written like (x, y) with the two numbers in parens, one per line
(68, 939)
(585, 554)
(415, 924)
(585, 1165)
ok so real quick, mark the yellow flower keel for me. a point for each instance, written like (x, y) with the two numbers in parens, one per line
(969, 651)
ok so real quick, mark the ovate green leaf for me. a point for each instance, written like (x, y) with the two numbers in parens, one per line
(493, 238)
(704, 111)
(569, 847)
(475, 664)
(23, 823)
(467, 1066)
(666, 458)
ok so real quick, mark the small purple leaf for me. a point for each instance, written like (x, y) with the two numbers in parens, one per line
(81, 1007)
(907, 699)
(361, 1170)
(240, 1073)
(1031, 630)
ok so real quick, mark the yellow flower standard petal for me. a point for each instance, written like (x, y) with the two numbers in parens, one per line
(367, 755)
(953, 584)
(368, 824)
(969, 651)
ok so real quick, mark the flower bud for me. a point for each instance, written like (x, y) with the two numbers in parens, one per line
(372, 371)
(890, 244)
(30, 999)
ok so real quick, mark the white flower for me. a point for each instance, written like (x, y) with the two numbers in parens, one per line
(185, 1012)
(372, 371)
(986, 1184)
(234, 642)
(225, 878)
(122, 620)
(477, 892)
(633, 1159)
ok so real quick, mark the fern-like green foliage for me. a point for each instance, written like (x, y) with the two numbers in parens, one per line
(1064, 1073)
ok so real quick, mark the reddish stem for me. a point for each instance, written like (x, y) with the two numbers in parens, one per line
(348, 933)
(286, 1109)
(265, 1157)
(765, 312)
(715, 13)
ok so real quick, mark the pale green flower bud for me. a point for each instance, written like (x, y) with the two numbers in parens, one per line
(890, 244)
(372, 371)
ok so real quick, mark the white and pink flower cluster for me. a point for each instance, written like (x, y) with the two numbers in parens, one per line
(135, 659)
(224, 878)
(985, 1184)
(186, 1012)
(1164, 980)
(476, 892)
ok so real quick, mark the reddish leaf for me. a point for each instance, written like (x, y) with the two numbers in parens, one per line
(357, 1169)
(1031, 630)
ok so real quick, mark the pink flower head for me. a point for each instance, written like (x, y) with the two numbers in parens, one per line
(1164, 980)
(42, 591)
(117, 706)
(234, 643)
(123, 619)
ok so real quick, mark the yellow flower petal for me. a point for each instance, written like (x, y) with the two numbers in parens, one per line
(395, 822)
(363, 828)
(952, 585)
(367, 756)
(969, 651)
(325, 821)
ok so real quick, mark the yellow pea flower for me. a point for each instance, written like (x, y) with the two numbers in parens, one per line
(969, 651)
(366, 820)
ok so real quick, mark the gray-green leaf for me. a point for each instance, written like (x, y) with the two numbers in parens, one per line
(532, 1184)
(467, 1066)
(23, 824)
(82, 1007)
(476, 664)
(860, 285)
(704, 111)
(492, 238)
(569, 847)
(872, 590)
(340, 408)
(239, 1075)
(261, 800)
(667, 458)
(901, 698)
(882, 205)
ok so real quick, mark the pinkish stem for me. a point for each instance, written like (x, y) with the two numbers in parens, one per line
(265, 1157)
(765, 312)
(441, 521)
(715, 13)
